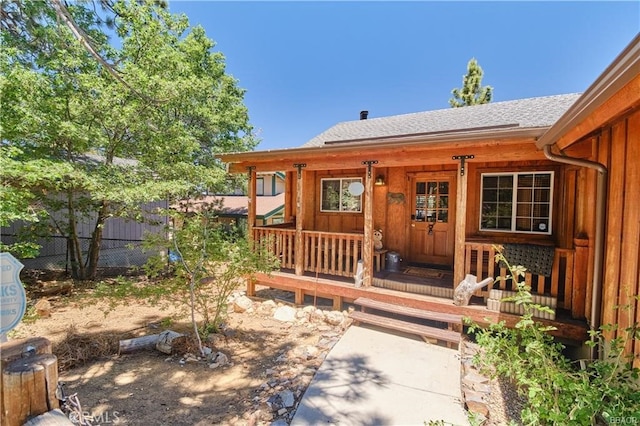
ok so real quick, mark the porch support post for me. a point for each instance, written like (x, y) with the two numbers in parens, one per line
(251, 208)
(367, 243)
(299, 246)
(460, 225)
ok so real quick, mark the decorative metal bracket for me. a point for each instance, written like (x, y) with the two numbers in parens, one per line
(369, 163)
(300, 166)
(462, 159)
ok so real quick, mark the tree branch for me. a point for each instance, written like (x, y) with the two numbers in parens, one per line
(63, 14)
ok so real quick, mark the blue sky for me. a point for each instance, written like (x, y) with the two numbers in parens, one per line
(309, 65)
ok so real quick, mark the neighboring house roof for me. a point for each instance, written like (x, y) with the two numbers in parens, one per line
(522, 114)
(237, 205)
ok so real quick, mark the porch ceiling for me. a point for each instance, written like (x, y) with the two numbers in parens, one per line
(510, 145)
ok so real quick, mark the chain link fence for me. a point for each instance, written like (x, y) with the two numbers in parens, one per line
(115, 254)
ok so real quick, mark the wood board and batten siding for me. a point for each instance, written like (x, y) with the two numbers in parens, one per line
(619, 146)
(610, 135)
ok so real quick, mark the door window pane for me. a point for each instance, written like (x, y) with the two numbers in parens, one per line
(431, 201)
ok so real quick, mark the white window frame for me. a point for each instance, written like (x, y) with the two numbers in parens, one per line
(514, 202)
(340, 210)
(260, 186)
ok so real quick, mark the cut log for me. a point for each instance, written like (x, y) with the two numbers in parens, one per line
(167, 340)
(16, 349)
(29, 388)
(51, 418)
(138, 343)
(64, 288)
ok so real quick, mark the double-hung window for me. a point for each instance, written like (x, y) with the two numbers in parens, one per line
(517, 202)
(260, 186)
(336, 197)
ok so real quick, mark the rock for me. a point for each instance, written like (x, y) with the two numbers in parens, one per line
(309, 309)
(242, 304)
(476, 403)
(280, 422)
(285, 314)
(43, 308)
(305, 352)
(287, 398)
(334, 318)
(318, 315)
(218, 360)
(269, 304)
(474, 378)
(253, 418)
(326, 343)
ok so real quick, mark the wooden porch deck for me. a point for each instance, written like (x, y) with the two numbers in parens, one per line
(398, 285)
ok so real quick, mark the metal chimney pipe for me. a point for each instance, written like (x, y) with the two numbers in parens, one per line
(364, 115)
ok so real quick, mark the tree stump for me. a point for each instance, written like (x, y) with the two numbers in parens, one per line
(22, 348)
(29, 388)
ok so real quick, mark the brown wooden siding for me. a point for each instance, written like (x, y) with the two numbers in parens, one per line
(621, 277)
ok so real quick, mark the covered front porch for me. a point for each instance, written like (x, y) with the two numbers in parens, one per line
(329, 264)
(438, 202)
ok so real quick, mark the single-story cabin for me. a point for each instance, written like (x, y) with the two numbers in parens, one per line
(551, 179)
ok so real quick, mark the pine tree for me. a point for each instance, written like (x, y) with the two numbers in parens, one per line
(472, 91)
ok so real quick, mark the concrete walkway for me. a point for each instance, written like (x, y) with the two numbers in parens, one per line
(378, 377)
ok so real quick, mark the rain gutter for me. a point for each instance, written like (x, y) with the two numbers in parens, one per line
(601, 205)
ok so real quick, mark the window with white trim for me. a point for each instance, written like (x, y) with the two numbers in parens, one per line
(516, 202)
(259, 186)
(336, 197)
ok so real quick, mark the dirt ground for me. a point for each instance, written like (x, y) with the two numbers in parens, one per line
(270, 362)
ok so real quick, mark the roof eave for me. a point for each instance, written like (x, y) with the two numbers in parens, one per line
(389, 142)
(620, 72)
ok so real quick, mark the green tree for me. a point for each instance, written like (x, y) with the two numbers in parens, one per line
(472, 92)
(81, 146)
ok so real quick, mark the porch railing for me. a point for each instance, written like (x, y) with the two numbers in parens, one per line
(324, 252)
(332, 253)
(480, 261)
(281, 243)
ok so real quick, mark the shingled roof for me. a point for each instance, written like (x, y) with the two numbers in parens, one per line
(538, 112)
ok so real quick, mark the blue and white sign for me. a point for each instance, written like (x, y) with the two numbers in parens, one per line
(13, 299)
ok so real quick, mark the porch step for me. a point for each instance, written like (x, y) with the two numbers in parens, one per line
(365, 302)
(450, 335)
(407, 327)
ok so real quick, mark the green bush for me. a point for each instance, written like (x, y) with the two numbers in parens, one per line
(561, 391)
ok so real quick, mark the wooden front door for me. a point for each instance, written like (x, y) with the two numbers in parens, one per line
(432, 222)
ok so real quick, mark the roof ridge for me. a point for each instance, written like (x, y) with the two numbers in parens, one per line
(470, 106)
